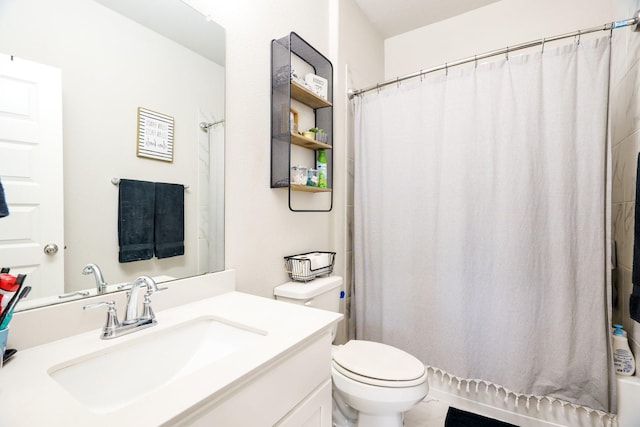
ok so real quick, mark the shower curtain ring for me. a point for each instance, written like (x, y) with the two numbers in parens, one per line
(378, 88)
(506, 54)
(446, 69)
(421, 75)
(398, 82)
(578, 41)
(475, 61)
(543, 40)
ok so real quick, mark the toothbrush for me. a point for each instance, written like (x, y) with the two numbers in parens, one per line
(5, 300)
(5, 318)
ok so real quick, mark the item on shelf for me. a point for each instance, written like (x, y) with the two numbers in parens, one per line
(308, 266)
(293, 120)
(318, 84)
(309, 134)
(321, 165)
(299, 175)
(312, 178)
(318, 135)
(296, 78)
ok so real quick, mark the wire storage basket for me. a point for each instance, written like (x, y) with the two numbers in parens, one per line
(308, 266)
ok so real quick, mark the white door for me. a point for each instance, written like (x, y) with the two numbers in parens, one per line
(31, 173)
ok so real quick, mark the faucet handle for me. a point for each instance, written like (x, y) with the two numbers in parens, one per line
(147, 311)
(110, 304)
(112, 322)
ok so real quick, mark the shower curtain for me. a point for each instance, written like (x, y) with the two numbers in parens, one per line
(480, 222)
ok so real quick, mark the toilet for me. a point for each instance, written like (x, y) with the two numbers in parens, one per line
(373, 383)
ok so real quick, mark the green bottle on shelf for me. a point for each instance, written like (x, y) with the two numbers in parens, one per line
(321, 165)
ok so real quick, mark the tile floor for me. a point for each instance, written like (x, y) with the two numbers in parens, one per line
(428, 413)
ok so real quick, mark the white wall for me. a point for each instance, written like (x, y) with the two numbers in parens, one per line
(360, 63)
(495, 26)
(260, 229)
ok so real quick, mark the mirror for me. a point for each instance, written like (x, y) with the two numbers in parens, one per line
(116, 56)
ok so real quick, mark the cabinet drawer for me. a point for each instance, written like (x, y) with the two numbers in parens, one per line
(314, 411)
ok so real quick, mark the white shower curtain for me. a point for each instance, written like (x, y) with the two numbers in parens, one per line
(480, 221)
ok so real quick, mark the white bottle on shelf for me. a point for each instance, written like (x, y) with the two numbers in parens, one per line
(623, 359)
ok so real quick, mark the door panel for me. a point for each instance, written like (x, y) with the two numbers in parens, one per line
(31, 173)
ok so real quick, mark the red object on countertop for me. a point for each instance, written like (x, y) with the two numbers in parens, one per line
(8, 282)
(8, 288)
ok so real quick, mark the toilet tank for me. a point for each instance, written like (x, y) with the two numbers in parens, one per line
(323, 293)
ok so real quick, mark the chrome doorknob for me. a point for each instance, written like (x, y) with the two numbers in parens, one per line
(51, 249)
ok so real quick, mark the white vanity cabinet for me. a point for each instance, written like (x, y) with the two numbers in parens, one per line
(292, 391)
(282, 376)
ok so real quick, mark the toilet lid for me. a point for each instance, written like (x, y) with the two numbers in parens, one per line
(377, 361)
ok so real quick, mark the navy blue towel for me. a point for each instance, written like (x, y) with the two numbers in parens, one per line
(458, 418)
(169, 214)
(136, 205)
(4, 209)
(634, 300)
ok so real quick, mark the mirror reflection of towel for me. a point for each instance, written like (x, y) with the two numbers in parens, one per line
(4, 209)
(169, 220)
(136, 205)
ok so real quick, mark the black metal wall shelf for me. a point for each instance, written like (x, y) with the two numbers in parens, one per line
(283, 90)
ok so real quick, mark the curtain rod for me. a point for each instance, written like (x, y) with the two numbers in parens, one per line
(504, 51)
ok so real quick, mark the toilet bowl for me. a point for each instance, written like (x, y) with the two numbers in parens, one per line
(373, 383)
(379, 381)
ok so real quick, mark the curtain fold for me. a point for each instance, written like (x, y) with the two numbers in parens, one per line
(480, 221)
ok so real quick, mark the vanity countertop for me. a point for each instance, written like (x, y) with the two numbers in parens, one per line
(31, 397)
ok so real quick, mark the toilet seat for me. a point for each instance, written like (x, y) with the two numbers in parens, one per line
(378, 364)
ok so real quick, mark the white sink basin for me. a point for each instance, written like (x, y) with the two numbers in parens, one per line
(108, 380)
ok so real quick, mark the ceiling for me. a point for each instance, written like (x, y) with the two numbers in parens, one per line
(391, 18)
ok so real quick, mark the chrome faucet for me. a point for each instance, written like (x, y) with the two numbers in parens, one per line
(131, 315)
(101, 285)
(132, 322)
